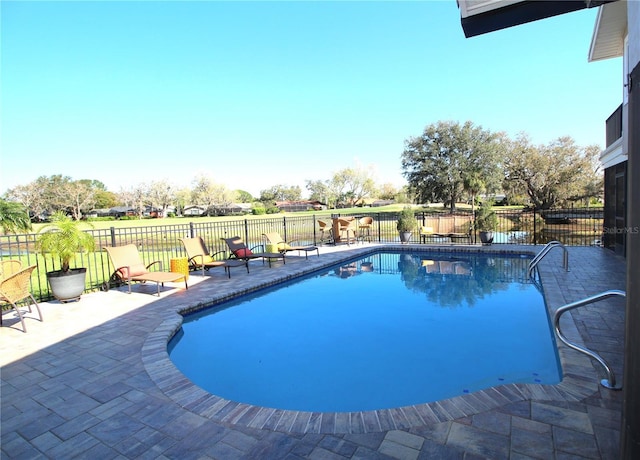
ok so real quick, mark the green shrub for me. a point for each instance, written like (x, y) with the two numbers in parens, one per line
(407, 220)
(486, 218)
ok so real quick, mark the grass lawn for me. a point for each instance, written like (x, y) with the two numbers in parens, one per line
(105, 224)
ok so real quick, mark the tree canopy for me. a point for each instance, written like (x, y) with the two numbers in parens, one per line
(449, 159)
(448, 162)
(280, 193)
(552, 174)
(211, 195)
(345, 188)
(59, 193)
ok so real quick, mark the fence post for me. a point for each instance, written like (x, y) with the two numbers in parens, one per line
(113, 235)
(246, 232)
(535, 230)
(284, 228)
(315, 229)
(192, 230)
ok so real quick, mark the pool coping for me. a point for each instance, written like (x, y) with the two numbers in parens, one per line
(175, 385)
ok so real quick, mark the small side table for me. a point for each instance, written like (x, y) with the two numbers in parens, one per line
(180, 265)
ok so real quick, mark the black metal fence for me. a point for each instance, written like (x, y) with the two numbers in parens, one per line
(575, 226)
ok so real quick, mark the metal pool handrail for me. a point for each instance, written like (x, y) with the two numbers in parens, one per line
(610, 381)
(548, 247)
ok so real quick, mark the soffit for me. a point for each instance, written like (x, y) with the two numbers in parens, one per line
(609, 31)
(483, 16)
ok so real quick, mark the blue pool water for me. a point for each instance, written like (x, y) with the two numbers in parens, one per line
(384, 331)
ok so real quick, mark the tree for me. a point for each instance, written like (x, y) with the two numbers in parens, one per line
(212, 196)
(442, 160)
(102, 198)
(105, 199)
(349, 186)
(80, 196)
(553, 174)
(29, 196)
(387, 192)
(223, 197)
(319, 190)
(14, 217)
(183, 198)
(280, 193)
(202, 192)
(134, 198)
(244, 196)
(160, 195)
(47, 195)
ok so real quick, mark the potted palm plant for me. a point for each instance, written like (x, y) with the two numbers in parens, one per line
(64, 239)
(486, 222)
(406, 224)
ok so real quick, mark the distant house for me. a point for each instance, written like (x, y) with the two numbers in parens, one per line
(121, 211)
(194, 211)
(303, 205)
(365, 202)
(233, 209)
(378, 203)
(102, 212)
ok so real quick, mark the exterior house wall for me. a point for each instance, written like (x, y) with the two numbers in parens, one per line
(630, 442)
(633, 19)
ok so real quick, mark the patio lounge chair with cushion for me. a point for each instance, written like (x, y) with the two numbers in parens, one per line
(239, 250)
(200, 258)
(14, 288)
(129, 267)
(278, 244)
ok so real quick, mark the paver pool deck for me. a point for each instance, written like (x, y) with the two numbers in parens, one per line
(94, 381)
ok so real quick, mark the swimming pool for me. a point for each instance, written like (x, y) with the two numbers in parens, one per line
(387, 330)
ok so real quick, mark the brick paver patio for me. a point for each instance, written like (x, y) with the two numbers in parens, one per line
(94, 380)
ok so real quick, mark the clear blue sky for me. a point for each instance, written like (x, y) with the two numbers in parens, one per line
(256, 94)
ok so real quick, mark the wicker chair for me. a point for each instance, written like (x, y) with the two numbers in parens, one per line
(347, 230)
(9, 267)
(364, 226)
(15, 288)
(326, 232)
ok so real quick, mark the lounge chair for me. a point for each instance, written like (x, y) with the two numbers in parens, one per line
(275, 240)
(239, 250)
(427, 232)
(14, 288)
(200, 258)
(129, 267)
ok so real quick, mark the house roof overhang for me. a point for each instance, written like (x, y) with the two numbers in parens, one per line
(482, 16)
(609, 31)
